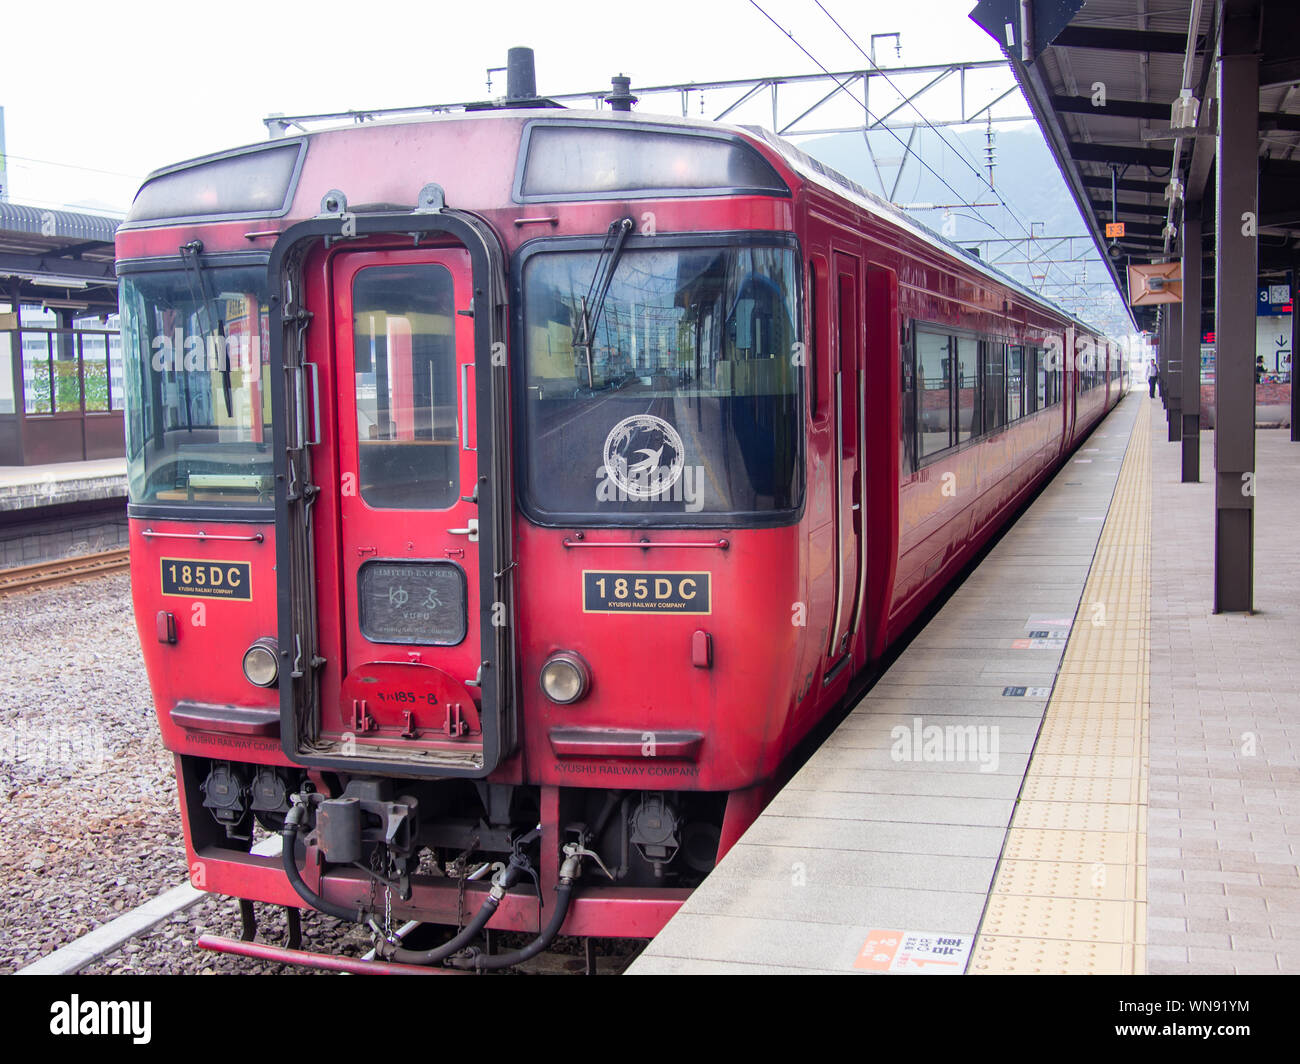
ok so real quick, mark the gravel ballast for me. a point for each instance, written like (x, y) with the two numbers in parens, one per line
(89, 820)
(89, 825)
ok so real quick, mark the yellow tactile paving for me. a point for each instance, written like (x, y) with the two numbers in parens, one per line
(1070, 891)
(1076, 789)
(1083, 764)
(1096, 881)
(1071, 919)
(1098, 726)
(1077, 816)
(1081, 743)
(998, 954)
(1109, 847)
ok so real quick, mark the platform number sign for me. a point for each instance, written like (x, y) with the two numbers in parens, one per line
(914, 952)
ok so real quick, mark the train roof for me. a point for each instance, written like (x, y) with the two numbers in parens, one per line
(806, 166)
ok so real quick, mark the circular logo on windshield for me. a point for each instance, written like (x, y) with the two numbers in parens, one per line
(644, 456)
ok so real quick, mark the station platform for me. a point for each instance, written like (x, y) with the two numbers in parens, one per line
(39, 486)
(67, 509)
(1074, 767)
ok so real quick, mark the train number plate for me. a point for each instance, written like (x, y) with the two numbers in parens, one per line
(190, 578)
(619, 592)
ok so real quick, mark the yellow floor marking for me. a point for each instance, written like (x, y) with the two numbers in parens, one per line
(1070, 890)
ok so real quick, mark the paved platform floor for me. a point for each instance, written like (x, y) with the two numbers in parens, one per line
(1223, 840)
(1075, 767)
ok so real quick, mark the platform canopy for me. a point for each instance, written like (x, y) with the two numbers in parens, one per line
(62, 260)
(1103, 87)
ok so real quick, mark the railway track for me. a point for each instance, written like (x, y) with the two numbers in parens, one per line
(44, 574)
(145, 939)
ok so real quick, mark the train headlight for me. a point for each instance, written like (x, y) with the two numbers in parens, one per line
(565, 678)
(262, 663)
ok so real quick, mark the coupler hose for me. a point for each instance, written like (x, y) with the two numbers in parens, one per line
(501, 882)
(482, 962)
(289, 839)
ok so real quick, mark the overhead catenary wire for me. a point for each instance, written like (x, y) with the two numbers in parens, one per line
(71, 166)
(956, 146)
(907, 150)
(841, 88)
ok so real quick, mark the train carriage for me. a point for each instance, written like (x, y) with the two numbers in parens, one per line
(518, 487)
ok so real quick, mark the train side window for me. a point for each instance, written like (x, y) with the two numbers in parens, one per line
(1043, 397)
(994, 384)
(966, 357)
(934, 385)
(907, 400)
(1029, 372)
(1015, 386)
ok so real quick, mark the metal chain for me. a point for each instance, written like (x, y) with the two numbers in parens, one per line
(460, 894)
(461, 865)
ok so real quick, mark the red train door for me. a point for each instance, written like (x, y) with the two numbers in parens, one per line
(409, 538)
(848, 398)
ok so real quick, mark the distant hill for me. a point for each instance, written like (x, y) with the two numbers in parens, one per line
(1024, 174)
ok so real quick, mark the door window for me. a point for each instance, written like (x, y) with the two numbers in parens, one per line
(404, 338)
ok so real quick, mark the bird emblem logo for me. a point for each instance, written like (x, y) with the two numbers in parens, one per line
(644, 456)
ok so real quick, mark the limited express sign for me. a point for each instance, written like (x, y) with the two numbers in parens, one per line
(623, 592)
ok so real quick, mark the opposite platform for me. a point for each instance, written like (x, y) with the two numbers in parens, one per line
(35, 487)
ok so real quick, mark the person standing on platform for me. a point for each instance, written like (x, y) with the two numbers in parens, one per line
(1153, 375)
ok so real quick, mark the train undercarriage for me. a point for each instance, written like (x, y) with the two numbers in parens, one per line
(462, 853)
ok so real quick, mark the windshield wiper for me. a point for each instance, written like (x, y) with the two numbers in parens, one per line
(589, 317)
(194, 273)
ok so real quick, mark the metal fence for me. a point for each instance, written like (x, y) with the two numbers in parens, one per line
(61, 395)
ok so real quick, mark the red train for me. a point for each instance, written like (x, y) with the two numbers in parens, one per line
(514, 489)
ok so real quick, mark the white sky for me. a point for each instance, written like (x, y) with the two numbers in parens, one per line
(97, 95)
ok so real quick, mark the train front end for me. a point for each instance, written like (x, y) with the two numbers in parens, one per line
(468, 517)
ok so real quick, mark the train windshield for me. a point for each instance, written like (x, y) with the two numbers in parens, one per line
(685, 408)
(198, 386)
